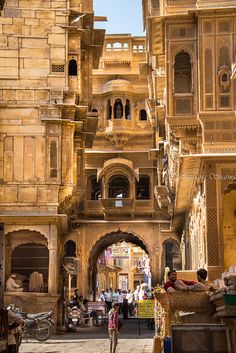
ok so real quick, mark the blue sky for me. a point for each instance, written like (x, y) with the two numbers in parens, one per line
(124, 16)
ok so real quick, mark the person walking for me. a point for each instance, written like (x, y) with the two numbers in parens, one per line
(108, 299)
(120, 301)
(113, 325)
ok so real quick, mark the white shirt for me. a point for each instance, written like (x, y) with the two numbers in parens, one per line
(120, 298)
(136, 293)
(108, 297)
(129, 297)
(141, 294)
(11, 285)
(102, 297)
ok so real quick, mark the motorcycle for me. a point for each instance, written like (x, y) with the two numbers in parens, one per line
(38, 326)
(72, 320)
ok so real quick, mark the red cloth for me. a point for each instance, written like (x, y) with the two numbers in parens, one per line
(113, 320)
(171, 284)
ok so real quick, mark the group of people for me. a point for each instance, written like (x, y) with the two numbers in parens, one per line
(83, 305)
(117, 296)
(173, 284)
(114, 299)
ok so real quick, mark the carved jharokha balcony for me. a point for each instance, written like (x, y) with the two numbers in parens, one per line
(118, 206)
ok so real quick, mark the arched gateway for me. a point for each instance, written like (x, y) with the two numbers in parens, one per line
(106, 241)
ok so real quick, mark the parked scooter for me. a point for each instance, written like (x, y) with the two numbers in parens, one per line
(38, 326)
(72, 320)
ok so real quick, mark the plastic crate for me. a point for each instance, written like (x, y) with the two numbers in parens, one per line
(230, 299)
(167, 344)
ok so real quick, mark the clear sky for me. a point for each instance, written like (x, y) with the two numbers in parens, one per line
(124, 16)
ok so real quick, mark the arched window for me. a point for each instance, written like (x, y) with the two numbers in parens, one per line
(109, 109)
(73, 69)
(109, 47)
(118, 187)
(143, 188)
(224, 78)
(143, 115)
(70, 248)
(117, 46)
(127, 110)
(182, 73)
(30, 260)
(94, 110)
(53, 159)
(95, 190)
(118, 109)
(171, 253)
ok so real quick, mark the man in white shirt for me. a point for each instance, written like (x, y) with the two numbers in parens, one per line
(130, 299)
(102, 296)
(120, 301)
(108, 299)
(12, 286)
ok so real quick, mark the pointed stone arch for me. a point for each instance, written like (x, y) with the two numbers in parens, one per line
(105, 241)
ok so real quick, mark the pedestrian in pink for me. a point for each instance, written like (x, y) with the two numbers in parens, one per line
(113, 326)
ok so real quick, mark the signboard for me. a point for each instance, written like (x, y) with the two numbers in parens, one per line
(145, 309)
(120, 252)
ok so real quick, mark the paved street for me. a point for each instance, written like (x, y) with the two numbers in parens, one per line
(95, 340)
(125, 345)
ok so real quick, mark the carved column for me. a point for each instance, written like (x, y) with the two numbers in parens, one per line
(155, 266)
(212, 231)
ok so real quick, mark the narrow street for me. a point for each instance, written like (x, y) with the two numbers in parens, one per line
(95, 340)
(125, 345)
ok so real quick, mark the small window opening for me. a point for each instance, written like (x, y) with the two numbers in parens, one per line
(142, 115)
(73, 69)
(118, 109)
(143, 188)
(53, 159)
(70, 248)
(109, 110)
(96, 190)
(127, 110)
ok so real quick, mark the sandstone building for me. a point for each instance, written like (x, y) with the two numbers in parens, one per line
(119, 202)
(191, 63)
(160, 172)
(47, 52)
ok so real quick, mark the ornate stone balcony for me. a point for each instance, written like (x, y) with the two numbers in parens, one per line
(119, 131)
(119, 207)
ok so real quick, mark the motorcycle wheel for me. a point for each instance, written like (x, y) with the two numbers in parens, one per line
(43, 330)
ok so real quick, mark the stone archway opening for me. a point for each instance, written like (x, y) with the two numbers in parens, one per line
(121, 241)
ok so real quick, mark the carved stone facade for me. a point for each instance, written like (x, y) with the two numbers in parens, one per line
(119, 202)
(193, 45)
(47, 54)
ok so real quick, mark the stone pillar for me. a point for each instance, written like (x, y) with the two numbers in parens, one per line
(155, 265)
(53, 261)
